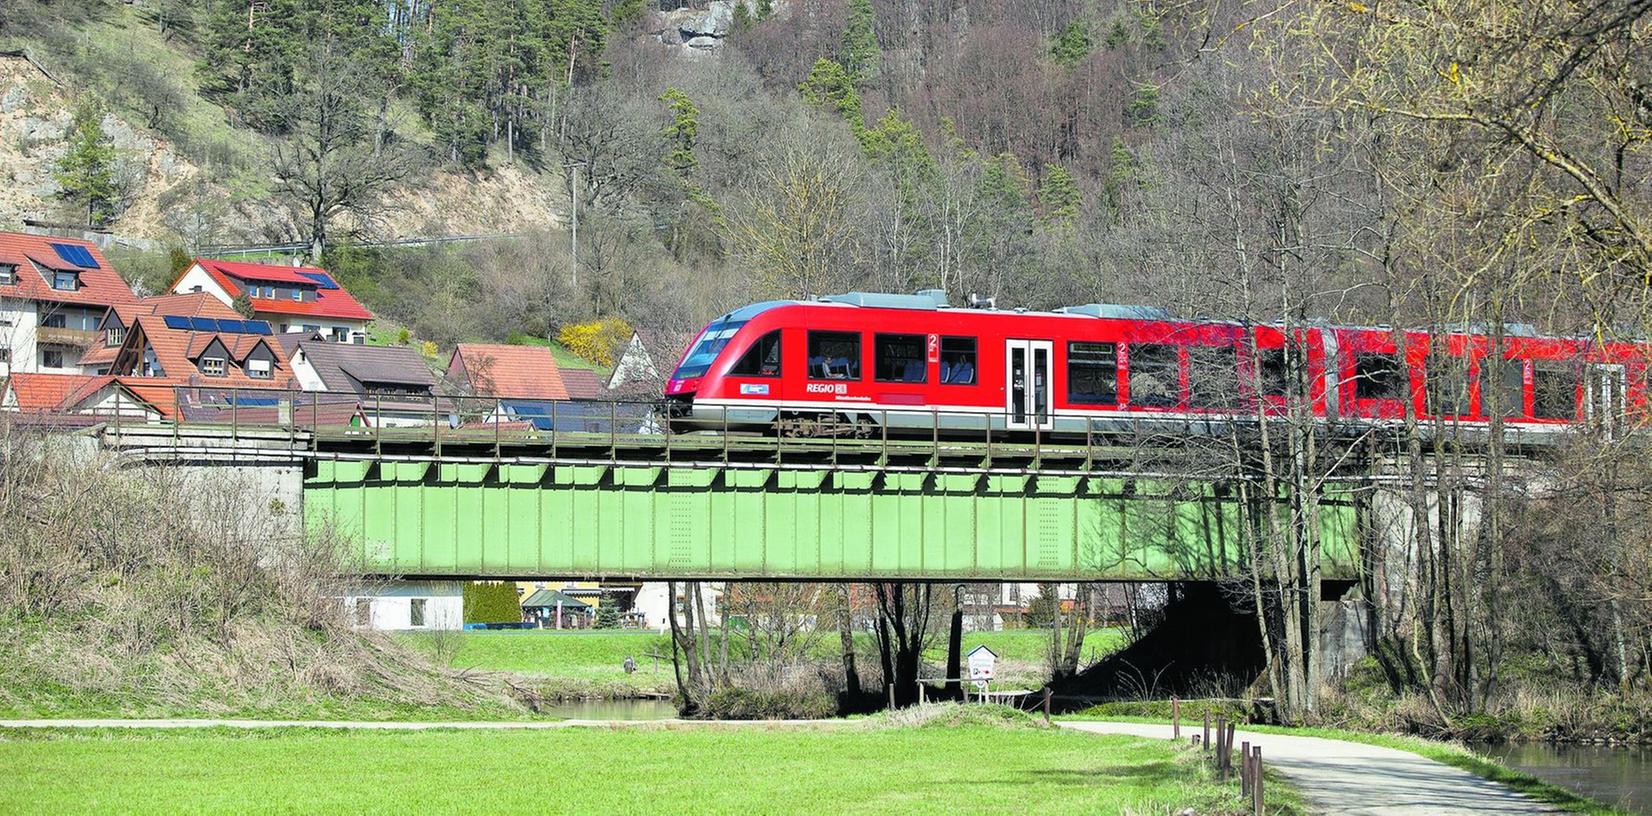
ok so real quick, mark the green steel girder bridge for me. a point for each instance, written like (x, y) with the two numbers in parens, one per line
(496, 502)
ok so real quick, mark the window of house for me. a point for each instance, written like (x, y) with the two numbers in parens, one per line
(259, 369)
(54, 321)
(5, 354)
(834, 355)
(298, 294)
(1154, 375)
(899, 358)
(114, 336)
(958, 358)
(51, 358)
(415, 612)
(1554, 390)
(65, 280)
(761, 360)
(269, 291)
(1092, 373)
(1509, 392)
(1273, 372)
(212, 366)
(8, 274)
(1378, 376)
(364, 612)
(1213, 376)
(1446, 384)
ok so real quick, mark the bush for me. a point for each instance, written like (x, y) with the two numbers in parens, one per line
(492, 602)
(599, 341)
(769, 704)
(954, 715)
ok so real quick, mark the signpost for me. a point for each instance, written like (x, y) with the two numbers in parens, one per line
(981, 662)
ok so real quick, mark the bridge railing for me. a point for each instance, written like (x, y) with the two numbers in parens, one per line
(482, 427)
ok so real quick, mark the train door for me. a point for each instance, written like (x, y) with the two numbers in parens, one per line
(1604, 398)
(1027, 390)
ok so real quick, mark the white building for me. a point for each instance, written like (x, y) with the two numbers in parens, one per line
(291, 298)
(53, 293)
(655, 606)
(407, 605)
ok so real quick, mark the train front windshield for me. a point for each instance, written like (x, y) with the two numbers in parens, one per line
(711, 341)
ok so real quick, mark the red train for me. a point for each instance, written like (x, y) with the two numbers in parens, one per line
(916, 364)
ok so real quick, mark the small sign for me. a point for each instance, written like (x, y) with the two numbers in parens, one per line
(934, 348)
(754, 388)
(981, 661)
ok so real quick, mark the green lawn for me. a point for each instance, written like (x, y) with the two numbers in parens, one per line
(977, 769)
(574, 664)
(589, 663)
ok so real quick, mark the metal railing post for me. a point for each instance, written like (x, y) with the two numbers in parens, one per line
(234, 414)
(554, 432)
(613, 433)
(378, 422)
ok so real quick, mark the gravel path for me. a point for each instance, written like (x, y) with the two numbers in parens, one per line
(1355, 778)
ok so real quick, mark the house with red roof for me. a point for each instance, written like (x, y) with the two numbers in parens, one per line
(112, 329)
(213, 348)
(100, 395)
(53, 293)
(290, 298)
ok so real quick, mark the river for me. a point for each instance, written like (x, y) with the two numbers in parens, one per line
(613, 710)
(1615, 776)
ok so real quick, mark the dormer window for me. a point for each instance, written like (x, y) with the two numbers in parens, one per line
(298, 294)
(8, 274)
(259, 369)
(65, 280)
(114, 336)
(212, 366)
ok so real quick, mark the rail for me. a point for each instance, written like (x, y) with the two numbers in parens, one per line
(461, 429)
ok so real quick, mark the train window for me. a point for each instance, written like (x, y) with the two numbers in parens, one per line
(1154, 375)
(958, 360)
(1092, 373)
(761, 360)
(1379, 376)
(1446, 383)
(1273, 372)
(834, 355)
(1554, 390)
(1510, 399)
(705, 351)
(1213, 376)
(899, 358)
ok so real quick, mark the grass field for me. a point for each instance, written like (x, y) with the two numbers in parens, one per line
(971, 768)
(589, 663)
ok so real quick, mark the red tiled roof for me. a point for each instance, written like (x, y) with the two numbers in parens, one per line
(582, 383)
(335, 303)
(45, 392)
(187, 304)
(98, 287)
(176, 349)
(514, 372)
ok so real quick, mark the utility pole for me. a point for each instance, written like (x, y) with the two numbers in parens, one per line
(573, 261)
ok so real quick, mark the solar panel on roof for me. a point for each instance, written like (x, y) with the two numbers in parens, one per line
(173, 322)
(76, 254)
(322, 279)
(203, 324)
(258, 327)
(232, 326)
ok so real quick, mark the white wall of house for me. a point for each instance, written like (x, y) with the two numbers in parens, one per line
(196, 279)
(390, 605)
(655, 604)
(112, 400)
(17, 324)
(308, 379)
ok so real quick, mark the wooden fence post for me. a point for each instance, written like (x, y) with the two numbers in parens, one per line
(1046, 705)
(1258, 803)
(1206, 741)
(1175, 718)
(1244, 768)
(891, 696)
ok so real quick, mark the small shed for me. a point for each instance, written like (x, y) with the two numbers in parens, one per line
(553, 609)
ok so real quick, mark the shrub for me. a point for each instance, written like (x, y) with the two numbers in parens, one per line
(599, 341)
(786, 703)
(492, 602)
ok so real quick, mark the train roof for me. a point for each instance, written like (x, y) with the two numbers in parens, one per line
(936, 300)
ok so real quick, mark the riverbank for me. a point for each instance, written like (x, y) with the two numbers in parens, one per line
(1000, 762)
